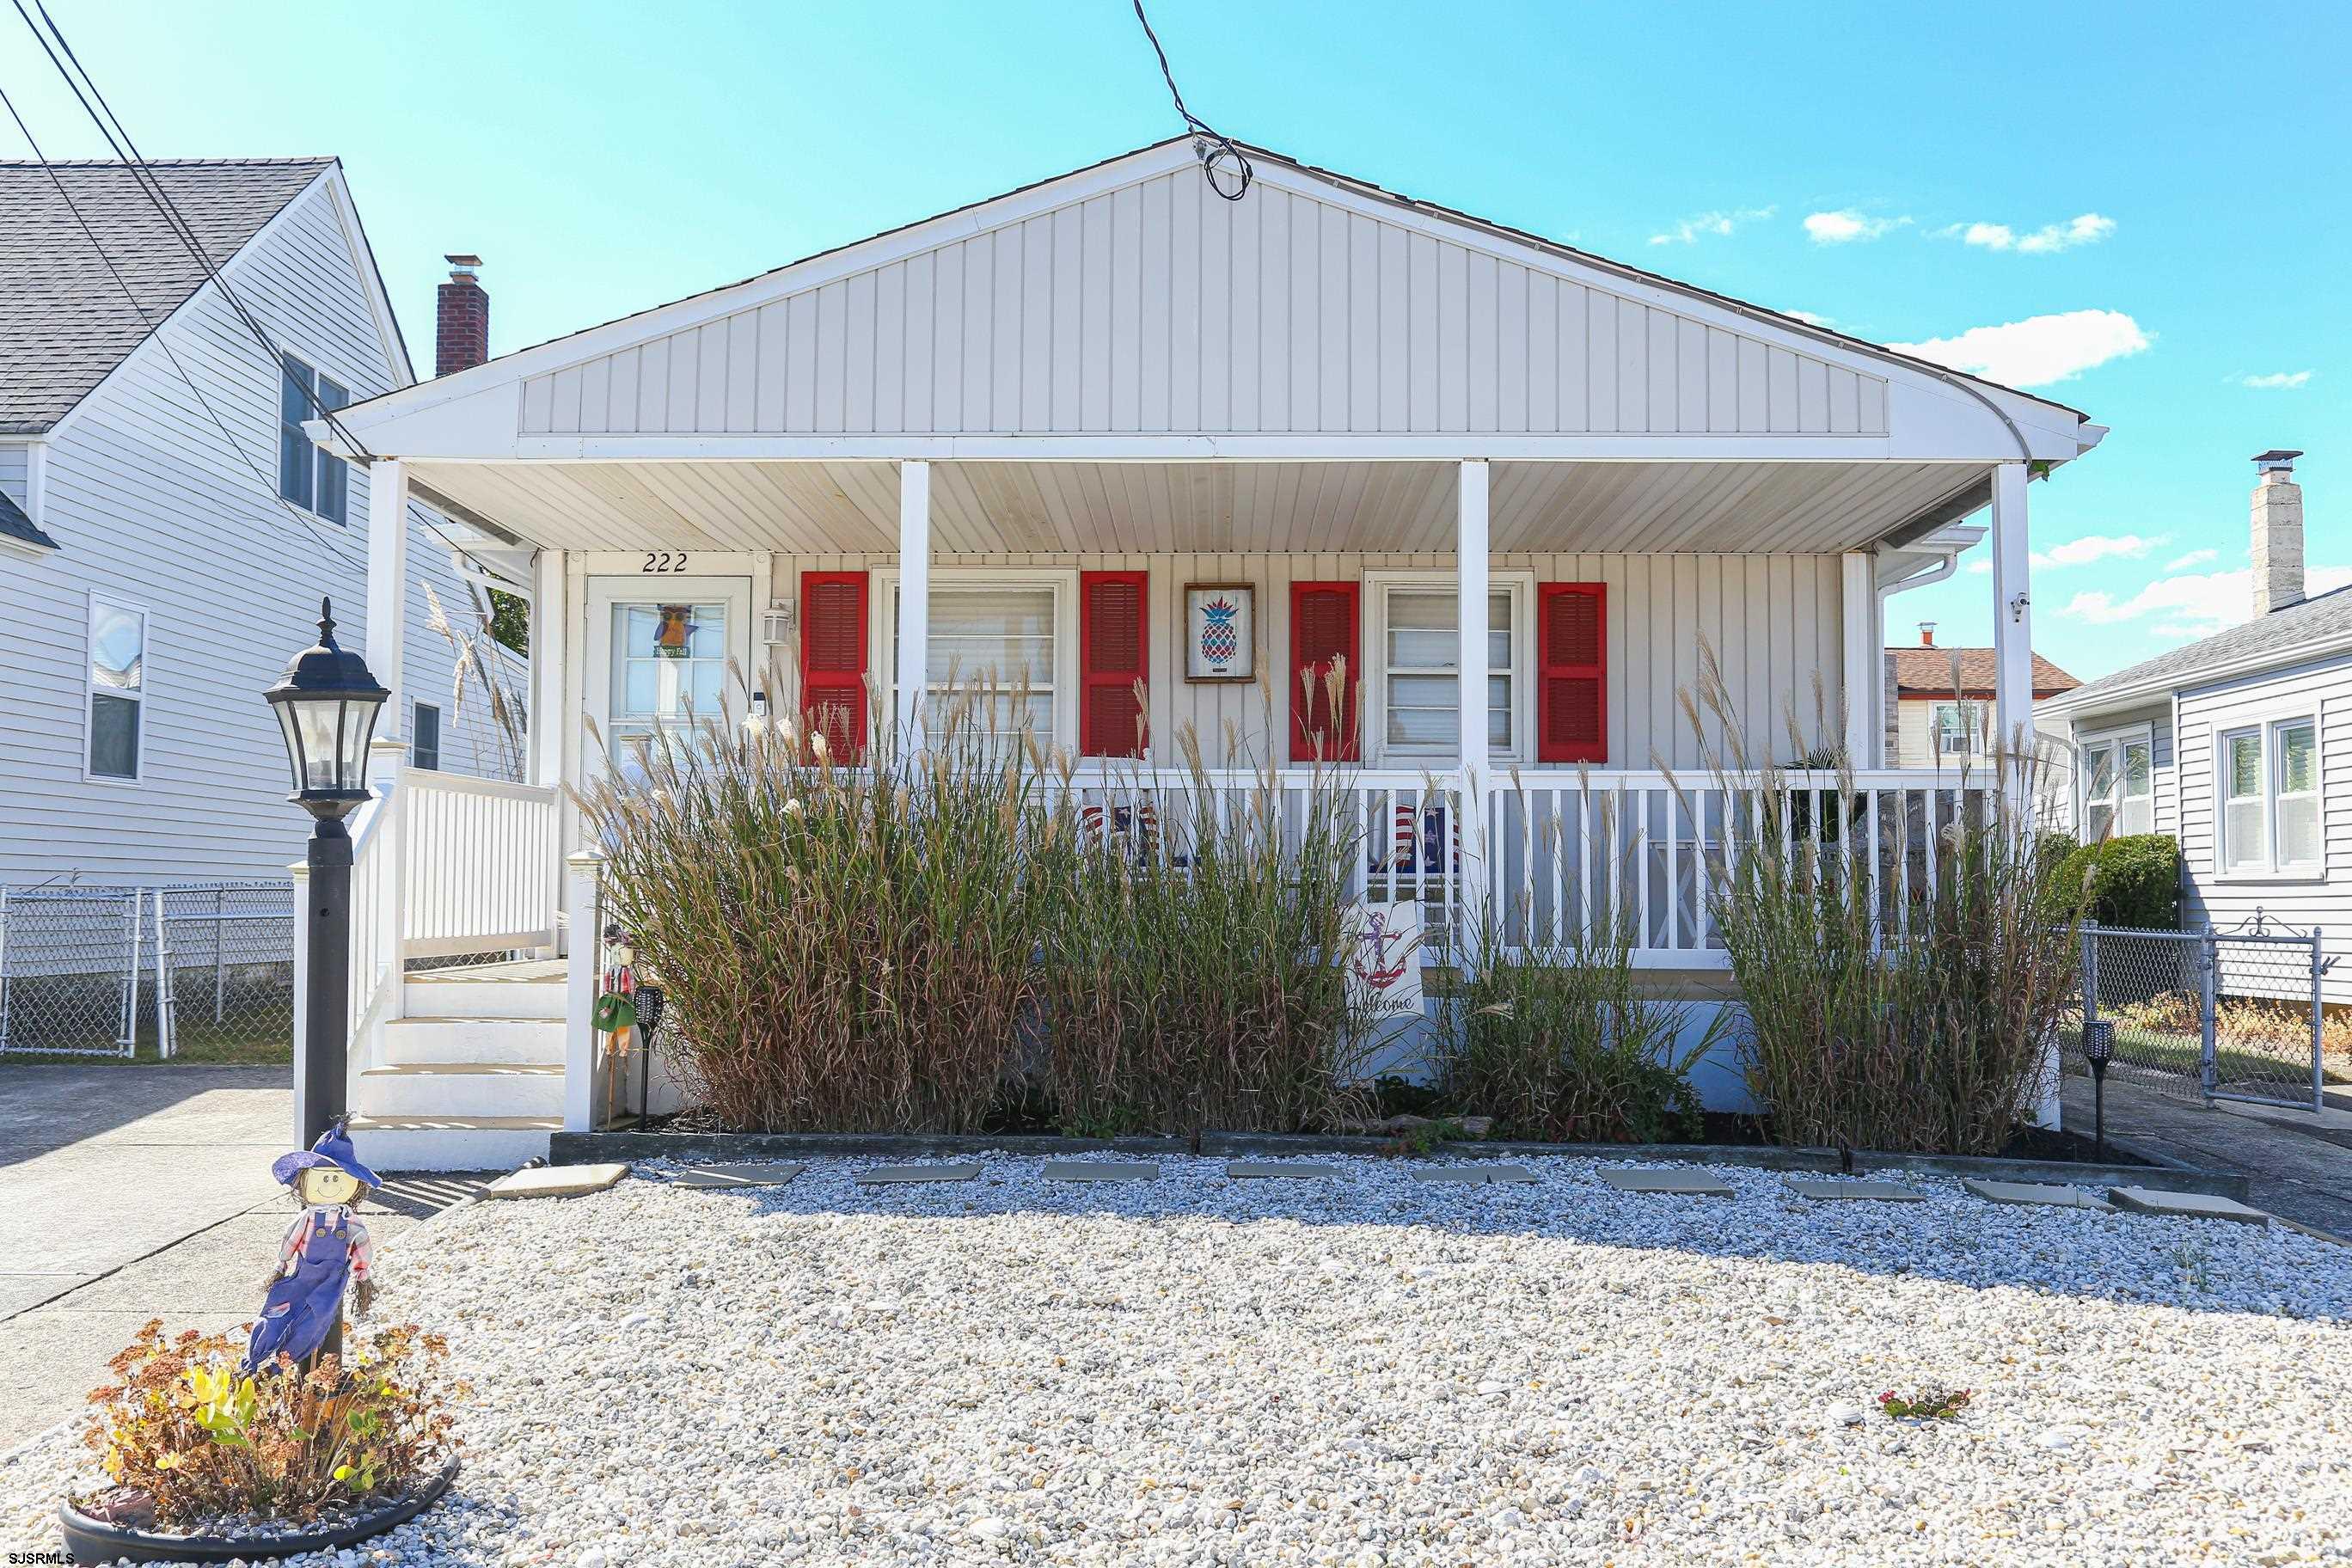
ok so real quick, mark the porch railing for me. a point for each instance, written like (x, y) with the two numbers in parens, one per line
(481, 872)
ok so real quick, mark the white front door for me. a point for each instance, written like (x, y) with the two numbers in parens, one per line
(659, 655)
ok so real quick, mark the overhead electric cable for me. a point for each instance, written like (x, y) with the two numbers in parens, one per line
(1213, 148)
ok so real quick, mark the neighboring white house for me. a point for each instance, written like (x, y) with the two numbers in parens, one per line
(2239, 744)
(1522, 491)
(1941, 702)
(166, 528)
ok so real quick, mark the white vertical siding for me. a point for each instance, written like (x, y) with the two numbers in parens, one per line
(1773, 621)
(151, 505)
(1161, 306)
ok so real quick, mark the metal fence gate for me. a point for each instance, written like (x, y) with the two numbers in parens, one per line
(104, 971)
(2218, 1015)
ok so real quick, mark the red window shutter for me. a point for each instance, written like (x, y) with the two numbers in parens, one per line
(1325, 624)
(833, 659)
(1572, 682)
(1114, 657)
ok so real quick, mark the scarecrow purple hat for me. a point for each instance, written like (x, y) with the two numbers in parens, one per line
(334, 1148)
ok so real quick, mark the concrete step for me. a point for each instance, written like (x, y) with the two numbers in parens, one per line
(451, 1142)
(410, 1042)
(461, 1089)
(463, 994)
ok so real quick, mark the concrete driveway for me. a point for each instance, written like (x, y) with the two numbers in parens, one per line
(131, 1193)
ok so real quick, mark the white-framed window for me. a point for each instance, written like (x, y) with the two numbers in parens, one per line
(425, 736)
(2266, 776)
(1009, 630)
(1413, 692)
(117, 707)
(307, 476)
(669, 662)
(2118, 782)
(1959, 729)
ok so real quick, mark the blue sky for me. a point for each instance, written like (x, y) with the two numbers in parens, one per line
(2156, 192)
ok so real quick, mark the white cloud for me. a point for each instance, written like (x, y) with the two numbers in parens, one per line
(2192, 605)
(2085, 550)
(2038, 349)
(1717, 225)
(2276, 381)
(2194, 558)
(1847, 225)
(2086, 228)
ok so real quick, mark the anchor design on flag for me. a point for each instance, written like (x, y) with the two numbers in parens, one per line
(1377, 969)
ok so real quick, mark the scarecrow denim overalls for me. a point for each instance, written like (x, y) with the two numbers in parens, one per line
(303, 1305)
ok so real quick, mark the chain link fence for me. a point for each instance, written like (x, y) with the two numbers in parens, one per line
(2216, 1015)
(205, 967)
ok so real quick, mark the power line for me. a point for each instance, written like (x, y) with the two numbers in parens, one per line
(155, 332)
(1208, 146)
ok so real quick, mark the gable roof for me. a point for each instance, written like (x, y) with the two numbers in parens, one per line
(65, 321)
(2318, 626)
(15, 526)
(1928, 672)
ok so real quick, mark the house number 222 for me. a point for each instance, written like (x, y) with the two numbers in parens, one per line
(663, 561)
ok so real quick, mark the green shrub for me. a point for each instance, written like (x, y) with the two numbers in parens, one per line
(1555, 1039)
(2133, 881)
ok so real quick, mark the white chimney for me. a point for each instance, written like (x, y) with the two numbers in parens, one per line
(2278, 534)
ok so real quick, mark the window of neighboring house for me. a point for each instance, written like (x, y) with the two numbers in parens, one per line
(118, 688)
(307, 476)
(2270, 818)
(2118, 787)
(1417, 663)
(995, 651)
(425, 736)
(1959, 729)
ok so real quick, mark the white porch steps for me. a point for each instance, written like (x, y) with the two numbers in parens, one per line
(472, 1078)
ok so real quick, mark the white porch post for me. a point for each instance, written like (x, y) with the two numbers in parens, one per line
(584, 873)
(550, 629)
(1472, 573)
(913, 596)
(387, 584)
(1864, 659)
(2013, 619)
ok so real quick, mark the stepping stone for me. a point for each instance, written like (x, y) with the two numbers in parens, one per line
(1819, 1191)
(2184, 1206)
(2035, 1195)
(555, 1181)
(1669, 1184)
(753, 1175)
(1102, 1170)
(1276, 1170)
(1494, 1174)
(886, 1176)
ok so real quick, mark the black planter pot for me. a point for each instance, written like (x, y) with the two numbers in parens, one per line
(95, 1540)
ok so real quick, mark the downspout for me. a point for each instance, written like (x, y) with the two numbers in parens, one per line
(1936, 573)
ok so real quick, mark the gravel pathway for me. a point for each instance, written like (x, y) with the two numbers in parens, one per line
(1367, 1370)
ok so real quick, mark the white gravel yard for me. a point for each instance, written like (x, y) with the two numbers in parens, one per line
(1365, 1370)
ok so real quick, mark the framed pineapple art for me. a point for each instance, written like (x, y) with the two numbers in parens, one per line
(1220, 631)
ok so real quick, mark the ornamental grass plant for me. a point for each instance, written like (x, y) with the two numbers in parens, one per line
(1898, 1010)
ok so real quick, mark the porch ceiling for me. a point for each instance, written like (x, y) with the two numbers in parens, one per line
(998, 508)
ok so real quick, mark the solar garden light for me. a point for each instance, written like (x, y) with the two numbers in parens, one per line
(2099, 1050)
(327, 705)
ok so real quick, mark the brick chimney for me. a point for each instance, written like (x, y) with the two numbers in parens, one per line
(1926, 634)
(462, 335)
(2278, 534)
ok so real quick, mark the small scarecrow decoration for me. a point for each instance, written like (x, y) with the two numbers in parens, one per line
(323, 1250)
(627, 1011)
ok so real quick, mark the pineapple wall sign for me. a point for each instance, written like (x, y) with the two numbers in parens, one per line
(1220, 631)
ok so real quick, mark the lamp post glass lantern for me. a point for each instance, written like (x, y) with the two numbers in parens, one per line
(327, 706)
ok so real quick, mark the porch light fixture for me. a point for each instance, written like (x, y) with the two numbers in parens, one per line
(327, 705)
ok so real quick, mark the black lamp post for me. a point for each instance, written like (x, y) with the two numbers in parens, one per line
(327, 704)
(2099, 1050)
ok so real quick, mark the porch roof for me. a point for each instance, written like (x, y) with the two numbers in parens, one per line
(993, 508)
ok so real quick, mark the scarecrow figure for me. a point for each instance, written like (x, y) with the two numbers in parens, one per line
(323, 1249)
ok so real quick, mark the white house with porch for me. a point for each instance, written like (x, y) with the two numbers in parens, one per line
(1519, 489)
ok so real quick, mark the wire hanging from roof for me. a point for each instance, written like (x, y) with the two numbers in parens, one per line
(1223, 163)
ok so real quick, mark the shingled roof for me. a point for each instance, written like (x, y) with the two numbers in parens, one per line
(2319, 625)
(64, 320)
(15, 525)
(1928, 672)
